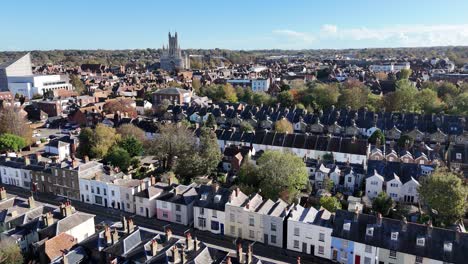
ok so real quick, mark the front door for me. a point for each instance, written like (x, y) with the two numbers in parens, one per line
(312, 250)
(304, 247)
(222, 229)
(147, 212)
(357, 259)
(265, 239)
(335, 255)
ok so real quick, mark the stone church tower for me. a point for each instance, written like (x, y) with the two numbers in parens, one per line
(172, 58)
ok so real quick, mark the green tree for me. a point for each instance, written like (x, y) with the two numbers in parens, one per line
(461, 104)
(445, 193)
(10, 253)
(405, 141)
(325, 95)
(283, 126)
(382, 204)
(404, 74)
(196, 85)
(330, 203)
(285, 98)
(209, 151)
(377, 134)
(327, 184)
(353, 94)
(261, 98)
(403, 99)
(127, 130)
(246, 127)
(281, 175)
(428, 101)
(132, 145)
(95, 143)
(211, 121)
(9, 142)
(118, 157)
(230, 93)
(76, 82)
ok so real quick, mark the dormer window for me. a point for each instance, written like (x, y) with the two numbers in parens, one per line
(394, 236)
(448, 246)
(420, 242)
(346, 226)
(370, 231)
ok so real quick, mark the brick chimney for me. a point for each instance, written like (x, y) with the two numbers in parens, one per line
(130, 225)
(48, 219)
(152, 180)
(154, 247)
(168, 232)
(86, 159)
(3, 193)
(124, 223)
(31, 202)
(249, 254)
(195, 244)
(115, 236)
(228, 260)
(175, 254)
(379, 219)
(404, 224)
(215, 187)
(429, 229)
(75, 163)
(183, 256)
(188, 240)
(64, 258)
(107, 235)
(239, 253)
(65, 209)
(27, 160)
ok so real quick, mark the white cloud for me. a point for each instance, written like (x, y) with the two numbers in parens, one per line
(401, 35)
(295, 36)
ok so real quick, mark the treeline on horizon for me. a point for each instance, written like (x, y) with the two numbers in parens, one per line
(457, 54)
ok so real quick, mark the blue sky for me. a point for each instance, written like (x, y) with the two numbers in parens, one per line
(235, 24)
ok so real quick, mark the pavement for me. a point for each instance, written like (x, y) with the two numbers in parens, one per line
(274, 254)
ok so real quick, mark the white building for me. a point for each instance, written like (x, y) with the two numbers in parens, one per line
(309, 231)
(208, 211)
(31, 85)
(393, 188)
(389, 67)
(16, 171)
(145, 201)
(58, 148)
(374, 185)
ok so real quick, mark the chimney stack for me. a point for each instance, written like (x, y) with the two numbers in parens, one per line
(75, 163)
(48, 219)
(124, 223)
(154, 247)
(115, 236)
(188, 240)
(215, 187)
(64, 258)
(168, 233)
(249, 254)
(356, 214)
(429, 229)
(3, 193)
(195, 244)
(175, 254)
(31, 202)
(183, 257)
(107, 235)
(130, 225)
(27, 161)
(239, 252)
(86, 159)
(379, 219)
(228, 260)
(458, 235)
(153, 180)
(65, 209)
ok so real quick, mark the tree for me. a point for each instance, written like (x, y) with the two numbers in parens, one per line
(95, 143)
(461, 104)
(325, 95)
(354, 96)
(403, 99)
(209, 151)
(9, 142)
(405, 141)
(283, 126)
(327, 184)
(211, 121)
(445, 193)
(174, 140)
(76, 82)
(428, 101)
(161, 108)
(285, 98)
(279, 175)
(330, 203)
(229, 93)
(132, 145)
(10, 252)
(261, 98)
(378, 134)
(118, 157)
(404, 74)
(246, 127)
(12, 122)
(127, 130)
(382, 204)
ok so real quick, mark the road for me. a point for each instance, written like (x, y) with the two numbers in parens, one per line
(108, 214)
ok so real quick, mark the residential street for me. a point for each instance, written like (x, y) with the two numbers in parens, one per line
(106, 214)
